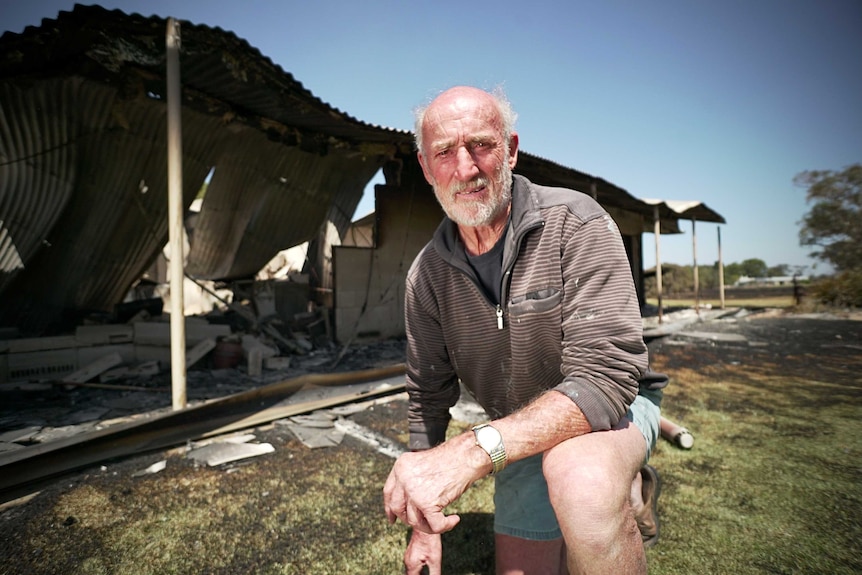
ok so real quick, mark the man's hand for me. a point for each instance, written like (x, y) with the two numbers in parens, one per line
(424, 549)
(421, 484)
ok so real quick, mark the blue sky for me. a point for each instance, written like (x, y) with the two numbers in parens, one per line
(721, 102)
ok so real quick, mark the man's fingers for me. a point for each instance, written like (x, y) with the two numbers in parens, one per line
(433, 523)
(438, 523)
(393, 499)
(414, 517)
(419, 513)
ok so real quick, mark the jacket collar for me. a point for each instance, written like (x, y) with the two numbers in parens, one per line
(525, 214)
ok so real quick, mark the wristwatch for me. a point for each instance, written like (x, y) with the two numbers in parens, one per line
(489, 439)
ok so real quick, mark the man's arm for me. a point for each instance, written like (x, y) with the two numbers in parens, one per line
(603, 351)
(422, 484)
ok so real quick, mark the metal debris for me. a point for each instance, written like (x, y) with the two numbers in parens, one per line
(152, 469)
(220, 453)
(380, 443)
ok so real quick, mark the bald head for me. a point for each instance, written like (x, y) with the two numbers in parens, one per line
(495, 107)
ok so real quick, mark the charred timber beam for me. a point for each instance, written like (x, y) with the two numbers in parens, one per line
(23, 469)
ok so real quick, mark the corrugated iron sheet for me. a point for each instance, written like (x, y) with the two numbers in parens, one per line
(265, 197)
(83, 201)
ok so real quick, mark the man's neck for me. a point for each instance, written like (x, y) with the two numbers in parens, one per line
(481, 239)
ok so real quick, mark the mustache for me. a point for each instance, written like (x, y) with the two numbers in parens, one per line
(478, 182)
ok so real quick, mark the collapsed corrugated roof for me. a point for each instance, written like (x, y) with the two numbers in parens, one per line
(83, 200)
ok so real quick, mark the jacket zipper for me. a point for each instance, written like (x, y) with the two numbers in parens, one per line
(504, 291)
(507, 272)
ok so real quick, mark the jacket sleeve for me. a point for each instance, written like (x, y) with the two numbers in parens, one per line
(603, 351)
(432, 385)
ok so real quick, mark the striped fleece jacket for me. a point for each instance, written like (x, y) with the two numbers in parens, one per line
(569, 318)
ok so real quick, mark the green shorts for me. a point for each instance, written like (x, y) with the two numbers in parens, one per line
(522, 506)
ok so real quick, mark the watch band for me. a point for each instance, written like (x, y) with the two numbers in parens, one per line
(497, 452)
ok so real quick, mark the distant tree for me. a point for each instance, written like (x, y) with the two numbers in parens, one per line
(834, 222)
(779, 270)
(732, 272)
(677, 279)
(754, 268)
(707, 277)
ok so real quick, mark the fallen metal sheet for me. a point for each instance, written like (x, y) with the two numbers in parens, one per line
(317, 420)
(219, 453)
(379, 442)
(20, 435)
(234, 438)
(22, 469)
(154, 468)
(314, 437)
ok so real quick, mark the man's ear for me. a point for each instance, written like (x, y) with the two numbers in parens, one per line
(513, 150)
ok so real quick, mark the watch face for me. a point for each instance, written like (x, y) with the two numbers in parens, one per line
(488, 437)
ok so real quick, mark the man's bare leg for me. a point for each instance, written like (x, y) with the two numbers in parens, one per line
(516, 556)
(590, 486)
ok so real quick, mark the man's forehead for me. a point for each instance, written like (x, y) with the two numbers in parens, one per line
(465, 105)
(460, 118)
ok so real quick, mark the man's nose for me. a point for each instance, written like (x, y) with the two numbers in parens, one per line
(466, 168)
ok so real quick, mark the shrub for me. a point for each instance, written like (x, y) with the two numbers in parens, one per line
(842, 290)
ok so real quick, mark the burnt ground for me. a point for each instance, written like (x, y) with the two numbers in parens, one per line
(813, 346)
(759, 342)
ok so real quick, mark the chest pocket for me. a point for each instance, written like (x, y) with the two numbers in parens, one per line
(534, 302)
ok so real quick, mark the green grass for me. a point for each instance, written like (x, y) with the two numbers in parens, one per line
(772, 484)
(715, 303)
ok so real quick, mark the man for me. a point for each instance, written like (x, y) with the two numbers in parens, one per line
(524, 295)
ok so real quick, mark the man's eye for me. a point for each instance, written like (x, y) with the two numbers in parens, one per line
(442, 153)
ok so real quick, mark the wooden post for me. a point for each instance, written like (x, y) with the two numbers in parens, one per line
(694, 258)
(720, 270)
(175, 216)
(657, 231)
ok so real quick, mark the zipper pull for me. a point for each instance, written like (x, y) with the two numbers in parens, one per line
(499, 317)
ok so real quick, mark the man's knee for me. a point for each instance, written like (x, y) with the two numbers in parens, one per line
(586, 482)
(591, 482)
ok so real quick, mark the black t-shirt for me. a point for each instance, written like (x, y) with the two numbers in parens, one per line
(489, 268)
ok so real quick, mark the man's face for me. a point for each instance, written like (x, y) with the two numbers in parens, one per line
(466, 158)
